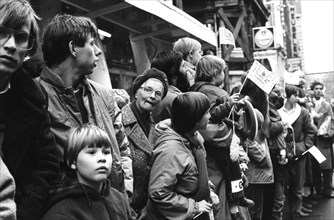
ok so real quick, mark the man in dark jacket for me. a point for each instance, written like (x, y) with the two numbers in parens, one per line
(277, 149)
(70, 55)
(322, 115)
(26, 144)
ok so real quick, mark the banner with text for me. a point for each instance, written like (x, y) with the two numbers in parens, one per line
(262, 77)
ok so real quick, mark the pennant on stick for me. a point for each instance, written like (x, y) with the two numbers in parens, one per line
(262, 77)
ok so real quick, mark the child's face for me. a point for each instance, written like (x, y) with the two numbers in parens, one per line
(218, 80)
(93, 165)
(202, 124)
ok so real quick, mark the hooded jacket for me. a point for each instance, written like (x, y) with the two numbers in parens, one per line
(78, 201)
(174, 176)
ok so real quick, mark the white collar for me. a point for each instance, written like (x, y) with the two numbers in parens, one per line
(290, 116)
(5, 89)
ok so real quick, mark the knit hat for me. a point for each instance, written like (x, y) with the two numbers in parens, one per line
(147, 74)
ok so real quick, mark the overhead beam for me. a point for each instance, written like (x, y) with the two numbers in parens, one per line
(230, 26)
(113, 19)
(153, 22)
(239, 23)
(109, 9)
(154, 33)
(110, 18)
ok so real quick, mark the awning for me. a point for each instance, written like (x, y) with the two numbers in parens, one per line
(177, 17)
(169, 24)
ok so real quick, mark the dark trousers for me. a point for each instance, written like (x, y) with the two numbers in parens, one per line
(278, 200)
(323, 181)
(277, 191)
(296, 176)
(261, 194)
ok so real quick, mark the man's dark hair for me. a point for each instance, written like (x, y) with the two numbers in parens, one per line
(168, 62)
(291, 90)
(15, 14)
(315, 83)
(62, 29)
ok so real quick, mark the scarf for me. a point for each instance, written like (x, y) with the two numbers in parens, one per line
(203, 191)
(143, 118)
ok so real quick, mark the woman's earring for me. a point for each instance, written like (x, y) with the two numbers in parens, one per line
(73, 166)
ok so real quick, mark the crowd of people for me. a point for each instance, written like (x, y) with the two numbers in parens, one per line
(182, 148)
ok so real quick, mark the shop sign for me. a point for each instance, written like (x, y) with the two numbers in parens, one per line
(293, 64)
(293, 31)
(237, 53)
(258, 55)
(222, 3)
(263, 38)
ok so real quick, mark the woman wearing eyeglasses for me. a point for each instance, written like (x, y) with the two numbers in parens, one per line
(148, 90)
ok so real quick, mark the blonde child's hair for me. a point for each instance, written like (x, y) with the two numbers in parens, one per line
(84, 136)
(208, 67)
(185, 45)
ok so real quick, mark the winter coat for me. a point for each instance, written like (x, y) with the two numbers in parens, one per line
(7, 194)
(102, 111)
(260, 168)
(324, 144)
(303, 130)
(276, 127)
(162, 110)
(141, 149)
(80, 202)
(29, 147)
(174, 176)
(276, 141)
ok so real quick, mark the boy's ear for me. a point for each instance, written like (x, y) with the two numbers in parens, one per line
(73, 166)
(191, 53)
(72, 48)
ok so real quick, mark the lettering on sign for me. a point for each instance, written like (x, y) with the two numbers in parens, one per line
(262, 77)
(263, 38)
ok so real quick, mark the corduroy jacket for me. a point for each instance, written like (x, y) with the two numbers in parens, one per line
(29, 148)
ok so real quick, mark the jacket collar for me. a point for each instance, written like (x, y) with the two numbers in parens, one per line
(24, 85)
(290, 116)
(174, 89)
(51, 77)
(136, 134)
(130, 117)
(54, 79)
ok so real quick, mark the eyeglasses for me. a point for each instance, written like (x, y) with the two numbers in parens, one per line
(149, 91)
(23, 40)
